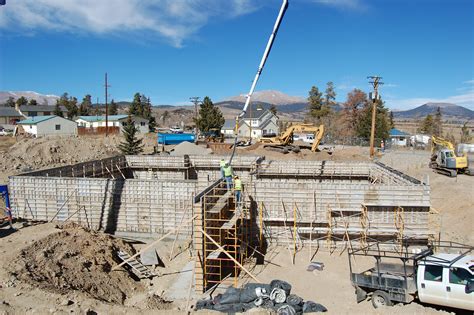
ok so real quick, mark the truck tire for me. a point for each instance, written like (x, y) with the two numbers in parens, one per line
(380, 299)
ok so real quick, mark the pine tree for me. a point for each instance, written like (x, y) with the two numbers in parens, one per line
(438, 124)
(113, 108)
(210, 116)
(85, 108)
(21, 101)
(33, 102)
(57, 110)
(10, 102)
(131, 145)
(330, 96)
(465, 137)
(135, 106)
(71, 107)
(382, 124)
(165, 116)
(427, 125)
(392, 123)
(273, 109)
(316, 108)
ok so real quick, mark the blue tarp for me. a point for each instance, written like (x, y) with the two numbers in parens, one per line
(175, 138)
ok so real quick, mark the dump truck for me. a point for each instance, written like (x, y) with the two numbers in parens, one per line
(441, 273)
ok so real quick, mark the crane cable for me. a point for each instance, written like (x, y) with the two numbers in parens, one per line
(283, 8)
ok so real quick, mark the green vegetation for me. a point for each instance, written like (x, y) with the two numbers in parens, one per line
(131, 144)
(210, 116)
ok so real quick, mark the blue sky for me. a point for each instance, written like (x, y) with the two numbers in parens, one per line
(173, 49)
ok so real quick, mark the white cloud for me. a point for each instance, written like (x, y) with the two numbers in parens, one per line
(466, 100)
(358, 5)
(174, 20)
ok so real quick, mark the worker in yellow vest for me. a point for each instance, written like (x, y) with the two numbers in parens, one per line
(237, 190)
(228, 175)
(222, 165)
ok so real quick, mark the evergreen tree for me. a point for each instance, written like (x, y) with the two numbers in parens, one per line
(33, 102)
(10, 102)
(21, 101)
(57, 110)
(438, 124)
(316, 102)
(330, 96)
(113, 108)
(152, 123)
(382, 124)
(85, 108)
(465, 137)
(273, 109)
(427, 125)
(135, 106)
(71, 106)
(210, 116)
(131, 145)
(392, 123)
(165, 116)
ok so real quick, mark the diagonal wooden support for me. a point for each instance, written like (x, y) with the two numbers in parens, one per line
(154, 243)
(228, 255)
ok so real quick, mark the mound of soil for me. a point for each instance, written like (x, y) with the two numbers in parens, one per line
(77, 259)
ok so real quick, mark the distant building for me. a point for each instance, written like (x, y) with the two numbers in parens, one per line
(49, 125)
(112, 121)
(261, 123)
(398, 137)
(40, 110)
(9, 116)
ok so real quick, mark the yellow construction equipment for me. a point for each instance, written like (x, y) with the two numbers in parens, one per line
(444, 159)
(284, 142)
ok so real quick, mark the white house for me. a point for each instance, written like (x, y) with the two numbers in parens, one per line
(49, 125)
(260, 123)
(399, 137)
(112, 121)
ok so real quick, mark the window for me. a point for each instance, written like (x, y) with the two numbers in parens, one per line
(33, 114)
(434, 273)
(459, 276)
(58, 127)
(47, 113)
(142, 123)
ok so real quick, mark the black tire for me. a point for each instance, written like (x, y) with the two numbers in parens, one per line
(381, 299)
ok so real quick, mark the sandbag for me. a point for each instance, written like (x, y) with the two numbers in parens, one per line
(311, 307)
(294, 299)
(285, 286)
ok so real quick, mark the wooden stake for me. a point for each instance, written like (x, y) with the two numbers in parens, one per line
(176, 236)
(152, 244)
(228, 255)
(286, 232)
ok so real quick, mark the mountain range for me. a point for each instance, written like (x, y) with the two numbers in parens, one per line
(292, 106)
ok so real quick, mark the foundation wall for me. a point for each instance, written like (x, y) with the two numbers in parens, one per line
(132, 207)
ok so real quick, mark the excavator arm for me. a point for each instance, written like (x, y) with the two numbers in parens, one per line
(437, 141)
(287, 136)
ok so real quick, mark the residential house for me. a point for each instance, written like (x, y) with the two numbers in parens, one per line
(259, 123)
(49, 125)
(228, 129)
(112, 121)
(40, 110)
(398, 137)
(9, 116)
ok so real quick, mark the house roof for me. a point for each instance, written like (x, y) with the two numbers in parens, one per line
(102, 118)
(397, 133)
(35, 120)
(229, 124)
(9, 112)
(41, 108)
(256, 114)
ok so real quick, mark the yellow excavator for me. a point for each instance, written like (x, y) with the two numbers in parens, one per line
(444, 159)
(284, 142)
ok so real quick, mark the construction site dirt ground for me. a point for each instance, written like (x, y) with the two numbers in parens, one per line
(453, 198)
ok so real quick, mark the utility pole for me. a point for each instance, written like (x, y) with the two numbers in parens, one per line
(195, 100)
(375, 81)
(106, 107)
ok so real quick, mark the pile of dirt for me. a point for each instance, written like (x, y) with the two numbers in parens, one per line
(76, 259)
(27, 154)
(190, 149)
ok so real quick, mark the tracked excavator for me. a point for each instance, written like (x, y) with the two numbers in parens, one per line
(444, 159)
(284, 142)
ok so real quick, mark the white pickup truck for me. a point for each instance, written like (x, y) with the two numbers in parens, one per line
(445, 279)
